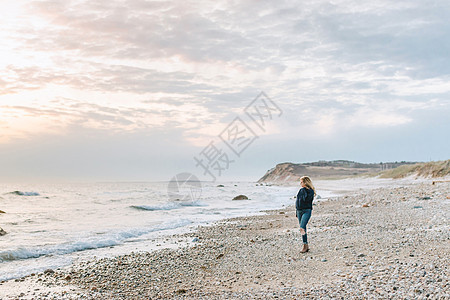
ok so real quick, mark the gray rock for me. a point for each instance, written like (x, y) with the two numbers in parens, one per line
(2, 232)
(240, 197)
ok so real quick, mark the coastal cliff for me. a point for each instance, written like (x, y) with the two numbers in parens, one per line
(291, 172)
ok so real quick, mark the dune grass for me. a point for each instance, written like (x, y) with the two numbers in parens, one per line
(432, 169)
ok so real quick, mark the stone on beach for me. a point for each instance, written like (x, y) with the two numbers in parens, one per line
(2, 232)
(240, 197)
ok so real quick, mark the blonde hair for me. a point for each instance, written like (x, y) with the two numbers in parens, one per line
(307, 181)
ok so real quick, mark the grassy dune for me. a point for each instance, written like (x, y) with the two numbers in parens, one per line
(432, 169)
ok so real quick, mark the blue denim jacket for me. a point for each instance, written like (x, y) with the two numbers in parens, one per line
(305, 198)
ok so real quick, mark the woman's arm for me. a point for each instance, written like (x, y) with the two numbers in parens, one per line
(301, 196)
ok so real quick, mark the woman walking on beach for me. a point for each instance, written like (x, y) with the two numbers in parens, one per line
(303, 205)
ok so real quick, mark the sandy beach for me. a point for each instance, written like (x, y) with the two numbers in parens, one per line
(383, 243)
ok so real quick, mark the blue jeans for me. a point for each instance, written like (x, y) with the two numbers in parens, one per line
(303, 216)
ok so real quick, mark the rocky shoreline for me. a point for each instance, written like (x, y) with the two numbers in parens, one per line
(386, 243)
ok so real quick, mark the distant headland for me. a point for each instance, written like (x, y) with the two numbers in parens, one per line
(289, 172)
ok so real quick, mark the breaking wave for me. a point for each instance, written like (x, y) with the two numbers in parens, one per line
(20, 193)
(168, 206)
(87, 242)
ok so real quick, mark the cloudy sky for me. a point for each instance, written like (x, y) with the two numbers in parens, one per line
(136, 89)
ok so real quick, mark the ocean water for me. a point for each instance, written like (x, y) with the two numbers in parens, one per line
(54, 225)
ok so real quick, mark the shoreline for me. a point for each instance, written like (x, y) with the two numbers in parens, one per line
(379, 243)
(117, 227)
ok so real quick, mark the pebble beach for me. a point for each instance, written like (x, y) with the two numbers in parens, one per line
(383, 243)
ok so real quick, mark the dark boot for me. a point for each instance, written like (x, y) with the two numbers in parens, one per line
(305, 248)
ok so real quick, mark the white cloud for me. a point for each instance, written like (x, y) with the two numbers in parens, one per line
(63, 115)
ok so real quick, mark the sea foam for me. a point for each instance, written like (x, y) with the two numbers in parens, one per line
(88, 241)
